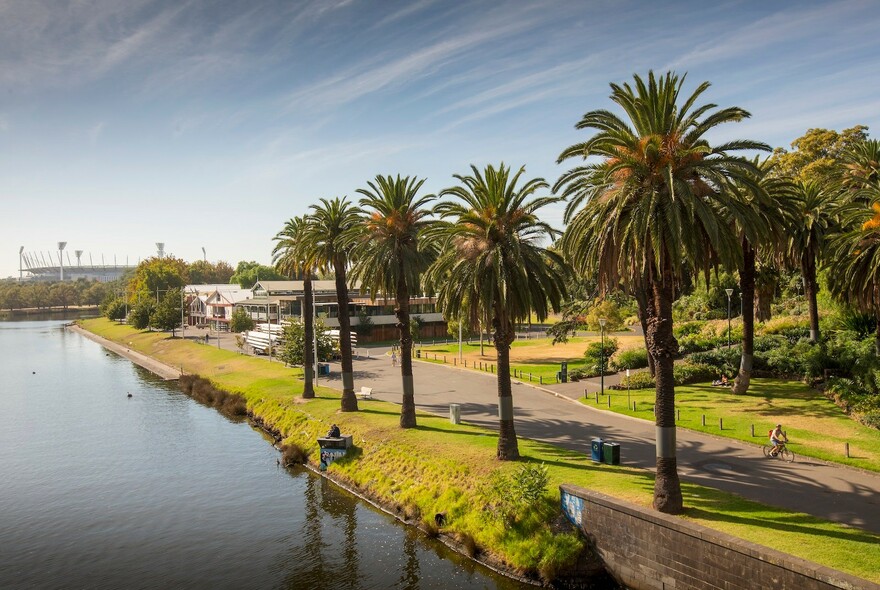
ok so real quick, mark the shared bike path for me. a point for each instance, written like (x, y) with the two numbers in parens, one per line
(552, 414)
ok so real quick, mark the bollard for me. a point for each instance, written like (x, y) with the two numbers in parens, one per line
(444, 359)
(846, 449)
(540, 379)
(634, 406)
(530, 377)
(704, 420)
(753, 430)
(465, 363)
(455, 413)
(585, 392)
(597, 397)
(609, 400)
(454, 361)
(493, 368)
(678, 415)
(720, 423)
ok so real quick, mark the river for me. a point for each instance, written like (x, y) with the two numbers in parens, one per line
(103, 490)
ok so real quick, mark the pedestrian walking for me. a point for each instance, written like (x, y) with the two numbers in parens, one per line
(393, 358)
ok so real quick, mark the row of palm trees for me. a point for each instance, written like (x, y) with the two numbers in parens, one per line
(652, 200)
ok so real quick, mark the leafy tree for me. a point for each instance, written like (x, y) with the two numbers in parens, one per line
(96, 293)
(492, 262)
(241, 321)
(139, 315)
(202, 272)
(391, 257)
(114, 308)
(155, 276)
(247, 274)
(291, 257)
(364, 326)
(817, 155)
(293, 351)
(330, 232)
(63, 294)
(167, 315)
(657, 197)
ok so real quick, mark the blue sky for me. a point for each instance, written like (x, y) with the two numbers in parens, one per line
(200, 123)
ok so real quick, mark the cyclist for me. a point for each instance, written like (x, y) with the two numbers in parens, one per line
(777, 438)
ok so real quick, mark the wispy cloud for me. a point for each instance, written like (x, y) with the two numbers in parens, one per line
(95, 132)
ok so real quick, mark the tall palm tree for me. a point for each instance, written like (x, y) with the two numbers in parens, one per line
(817, 206)
(331, 232)
(289, 258)
(492, 263)
(762, 233)
(656, 198)
(854, 270)
(862, 164)
(392, 254)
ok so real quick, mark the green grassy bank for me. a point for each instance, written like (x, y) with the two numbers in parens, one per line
(441, 467)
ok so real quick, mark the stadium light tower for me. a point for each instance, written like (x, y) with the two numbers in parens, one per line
(204, 254)
(20, 254)
(61, 246)
(160, 246)
(79, 254)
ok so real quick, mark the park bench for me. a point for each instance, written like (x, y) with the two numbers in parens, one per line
(365, 393)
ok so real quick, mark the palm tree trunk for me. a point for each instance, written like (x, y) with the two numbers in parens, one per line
(408, 407)
(808, 269)
(309, 328)
(508, 449)
(747, 290)
(349, 401)
(663, 346)
(641, 297)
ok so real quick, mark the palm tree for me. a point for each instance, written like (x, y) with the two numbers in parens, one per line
(862, 164)
(290, 259)
(854, 270)
(391, 257)
(656, 199)
(331, 232)
(492, 264)
(762, 233)
(817, 204)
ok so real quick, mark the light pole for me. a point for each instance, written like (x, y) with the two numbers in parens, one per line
(61, 246)
(628, 403)
(602, 322)
(459, 339)
(20, 251)
(729, 293)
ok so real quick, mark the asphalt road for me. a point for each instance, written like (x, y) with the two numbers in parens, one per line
(841, 494)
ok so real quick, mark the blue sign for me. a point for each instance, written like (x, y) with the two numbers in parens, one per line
(573, 508)
(328, 456)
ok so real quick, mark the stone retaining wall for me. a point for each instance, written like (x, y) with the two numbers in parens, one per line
(647, 550)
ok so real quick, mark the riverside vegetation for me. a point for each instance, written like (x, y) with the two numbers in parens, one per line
(439, 467)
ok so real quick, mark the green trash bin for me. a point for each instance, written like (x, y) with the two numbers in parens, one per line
(612, 453)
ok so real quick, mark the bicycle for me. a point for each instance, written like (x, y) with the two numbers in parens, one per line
(782, 452)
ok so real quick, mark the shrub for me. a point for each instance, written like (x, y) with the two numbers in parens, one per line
(293, 454)
(859, 396)
(687, 328)
(203, 391)
(779, 324)
(510, 496)
(723, 360)
(804, 360)
(687, 372)
(695, 343)
(632, 358)
(638, 380)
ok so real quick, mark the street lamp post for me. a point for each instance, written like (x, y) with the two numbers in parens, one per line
(602, 322)
(729, 293)
(20, 266)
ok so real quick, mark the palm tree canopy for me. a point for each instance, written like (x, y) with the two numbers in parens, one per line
(331, 232)
(288, 255)
(659, 191)
(492, 262)
(818, 204)
(392, 246)
(862, 163)
(854, 268)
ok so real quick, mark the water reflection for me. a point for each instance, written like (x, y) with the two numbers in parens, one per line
(156, 491)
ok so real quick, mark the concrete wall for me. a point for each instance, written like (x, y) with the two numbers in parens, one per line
(644, 549)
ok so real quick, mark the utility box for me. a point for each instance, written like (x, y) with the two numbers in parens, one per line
(323, 368)
(611, 452)
(596, 450)
(455, 413)
(333, 448)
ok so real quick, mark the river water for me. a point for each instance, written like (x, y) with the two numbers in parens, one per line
(99, 490)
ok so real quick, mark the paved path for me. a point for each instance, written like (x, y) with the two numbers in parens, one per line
(836, 493)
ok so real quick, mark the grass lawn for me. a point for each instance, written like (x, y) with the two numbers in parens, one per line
(537, 357)
(440, 466)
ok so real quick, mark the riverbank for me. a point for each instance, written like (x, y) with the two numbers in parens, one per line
(440, 467)
(164, 371)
